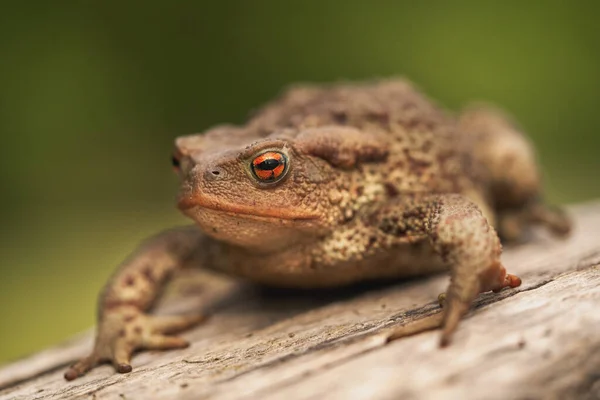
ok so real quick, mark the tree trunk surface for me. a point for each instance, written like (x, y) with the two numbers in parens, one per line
(541, 340)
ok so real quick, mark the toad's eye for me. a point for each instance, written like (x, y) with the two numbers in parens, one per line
(269, 166)
(175, 162)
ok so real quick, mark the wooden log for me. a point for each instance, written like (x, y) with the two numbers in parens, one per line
(541, 340)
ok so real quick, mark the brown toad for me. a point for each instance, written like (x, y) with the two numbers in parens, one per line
(331, 185)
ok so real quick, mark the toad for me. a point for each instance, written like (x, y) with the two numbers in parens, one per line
(330, 185)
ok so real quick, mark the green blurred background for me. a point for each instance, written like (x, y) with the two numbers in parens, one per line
(92, 94)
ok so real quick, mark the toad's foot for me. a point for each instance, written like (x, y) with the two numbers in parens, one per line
(438, 320)
(510, 281)
(125, 329)
(513, 225)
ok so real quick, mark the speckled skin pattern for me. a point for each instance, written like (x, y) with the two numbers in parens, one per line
(378, 183)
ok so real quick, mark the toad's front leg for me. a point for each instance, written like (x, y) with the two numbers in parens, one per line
(123, 325)
(461, 235)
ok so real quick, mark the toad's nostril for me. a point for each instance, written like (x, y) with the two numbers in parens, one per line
(214, 173)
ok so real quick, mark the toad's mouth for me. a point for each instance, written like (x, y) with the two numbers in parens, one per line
(186, 204)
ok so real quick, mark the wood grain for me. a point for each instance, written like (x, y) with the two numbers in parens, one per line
(541, 340)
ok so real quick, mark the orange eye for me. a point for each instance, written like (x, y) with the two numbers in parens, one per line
(269, 166)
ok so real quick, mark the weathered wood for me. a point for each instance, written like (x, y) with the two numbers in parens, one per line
(541, 340)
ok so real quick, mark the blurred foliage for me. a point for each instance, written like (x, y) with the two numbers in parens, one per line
(93, 93)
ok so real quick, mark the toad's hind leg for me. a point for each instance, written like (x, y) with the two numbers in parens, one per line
(510, 162)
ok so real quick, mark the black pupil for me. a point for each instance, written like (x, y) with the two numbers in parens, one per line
(268, 164)
(175, 161)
